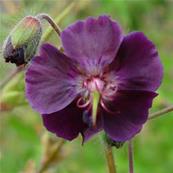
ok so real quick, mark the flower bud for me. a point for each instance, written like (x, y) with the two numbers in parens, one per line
(21, 44)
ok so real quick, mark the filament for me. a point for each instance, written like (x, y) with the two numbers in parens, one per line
(106, 109)
(82, 105)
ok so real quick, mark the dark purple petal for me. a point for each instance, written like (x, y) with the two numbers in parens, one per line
(137, 64)
(92, 42)
(51, 81)
(66, 123)
(130, 112)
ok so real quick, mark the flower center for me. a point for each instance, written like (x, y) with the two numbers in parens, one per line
(106, 87)
(97, 91)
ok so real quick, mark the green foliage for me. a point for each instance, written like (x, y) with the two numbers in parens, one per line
(13, 93)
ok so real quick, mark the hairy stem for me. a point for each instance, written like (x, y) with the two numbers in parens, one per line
(57, 20)
(110, 158)
(46, 17)
(130, 153)
(161, 112)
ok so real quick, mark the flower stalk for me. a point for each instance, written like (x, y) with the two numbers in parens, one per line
(110, 158)
(46, 17)
(58, 19)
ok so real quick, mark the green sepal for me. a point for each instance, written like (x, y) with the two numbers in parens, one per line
(27, 35)
(25, 30)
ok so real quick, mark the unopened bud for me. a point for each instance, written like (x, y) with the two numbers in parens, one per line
(22, 43)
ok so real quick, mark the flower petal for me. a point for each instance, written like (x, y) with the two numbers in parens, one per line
(137, 64)
(51, 81)
(66, 123)
(92, 42)
(130, 112)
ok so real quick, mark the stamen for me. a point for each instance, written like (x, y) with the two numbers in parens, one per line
(106, 109)
(106, 97)
(110, 92)
(82, 105)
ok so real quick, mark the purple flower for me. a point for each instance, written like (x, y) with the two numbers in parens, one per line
(103, 80)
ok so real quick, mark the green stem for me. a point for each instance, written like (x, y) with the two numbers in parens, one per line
(110, 158)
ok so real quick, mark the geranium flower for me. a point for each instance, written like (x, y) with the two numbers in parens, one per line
(103, 80)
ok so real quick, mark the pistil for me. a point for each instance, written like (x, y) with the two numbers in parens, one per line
(95, 103)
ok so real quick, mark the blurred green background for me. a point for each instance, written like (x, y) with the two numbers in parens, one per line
(23, 138)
